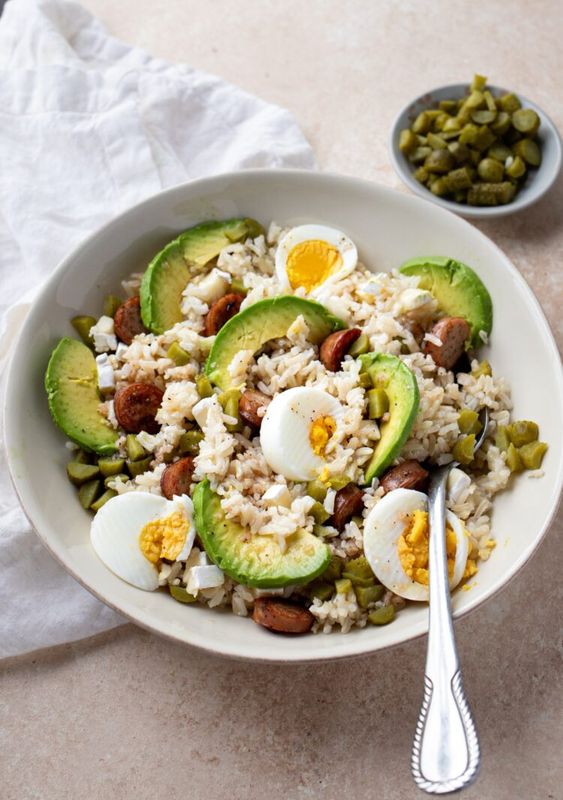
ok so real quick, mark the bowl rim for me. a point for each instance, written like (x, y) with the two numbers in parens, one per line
(355, 647)
(472, 212)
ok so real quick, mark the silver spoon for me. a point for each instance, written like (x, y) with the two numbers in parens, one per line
(445, 755)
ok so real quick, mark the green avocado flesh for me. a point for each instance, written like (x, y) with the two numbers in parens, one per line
(267, 319)
(400, 386)
(251, 559)
(71, 382)
(459, 291)
(172, 269)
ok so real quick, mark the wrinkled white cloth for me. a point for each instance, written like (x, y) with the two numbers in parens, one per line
(88, 127)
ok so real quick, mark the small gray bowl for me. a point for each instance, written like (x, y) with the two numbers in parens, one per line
(539, 180)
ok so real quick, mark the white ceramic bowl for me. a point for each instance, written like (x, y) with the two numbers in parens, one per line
(539, 180)
(388, 228)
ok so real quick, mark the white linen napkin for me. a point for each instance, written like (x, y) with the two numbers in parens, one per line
(88, 127)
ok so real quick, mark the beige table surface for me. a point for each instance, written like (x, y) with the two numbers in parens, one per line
(126, 715)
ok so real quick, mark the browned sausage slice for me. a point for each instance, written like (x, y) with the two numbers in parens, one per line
(408, 475)
(177, 477)
(127, 320)
(136, 406)
(335, 347)
(249, 404)
(348, 501)
(221, 311)
(282, 616)
(453, 332)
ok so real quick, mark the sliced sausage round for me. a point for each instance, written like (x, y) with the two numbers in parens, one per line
(408, 475)
(136, 406)
(177, 477)
(453, 332)
(127, 320)
(249, 404)
(282, 616)
(348, 501)
(221, 311)
(335, 347)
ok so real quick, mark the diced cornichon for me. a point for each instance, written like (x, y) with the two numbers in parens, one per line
(185, 257)
(252, 559)
(71, 382)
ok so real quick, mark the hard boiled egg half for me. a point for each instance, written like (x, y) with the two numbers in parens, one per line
(296, 430)
(396, 544)
(132, 532)
(314, 256)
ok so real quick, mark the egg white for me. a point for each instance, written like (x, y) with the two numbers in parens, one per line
(344, 245)
(284, 433)
(116, 529)
(384, 526)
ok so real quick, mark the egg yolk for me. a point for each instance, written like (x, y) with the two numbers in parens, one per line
(412, 548)
(310, 263)
(320, 433)
(164, 538)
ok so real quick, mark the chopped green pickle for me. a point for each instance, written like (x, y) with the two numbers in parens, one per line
(320, 530)
(468, 421)
(528, 151)
(490, 170)
(360, 346)
(532, 454)
(203, 386)
(436, 142)
(343, 585)
(101, 501)
(319, 513)
(82, 457)
(135, 450)
(382, 616)
(522, 431)
(509, 103)
(366, 595)
(484, 368)
(439, 161)
(516, 168)
(181, 594)
(334, 569)
(420, 154)
(364, 380)
(502, 124)
(88, 493)
(111, 466)
(80, 473)
(238, 286)
(82, 325)
(317, 490)
(378, 403)
(478, 83)
(358, 569)
(502, 439)
(111, 304)
(513, 459)
(483, 117)
(525, 120)
(230, 402)
(189, 442)
(139, 467)
(407, 141)
(321, 590)
(178, 355)
(422, 123)
(338, 481)
(464, 448)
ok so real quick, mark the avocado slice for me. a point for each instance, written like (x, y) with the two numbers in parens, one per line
(460, 292)
(260, 322)
(391, 374)
(71, 382)
(252, 559)
(171, 270)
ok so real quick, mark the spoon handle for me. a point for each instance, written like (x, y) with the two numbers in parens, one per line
(445, 755)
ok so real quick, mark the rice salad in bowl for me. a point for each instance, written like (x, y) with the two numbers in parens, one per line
(253, 419)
